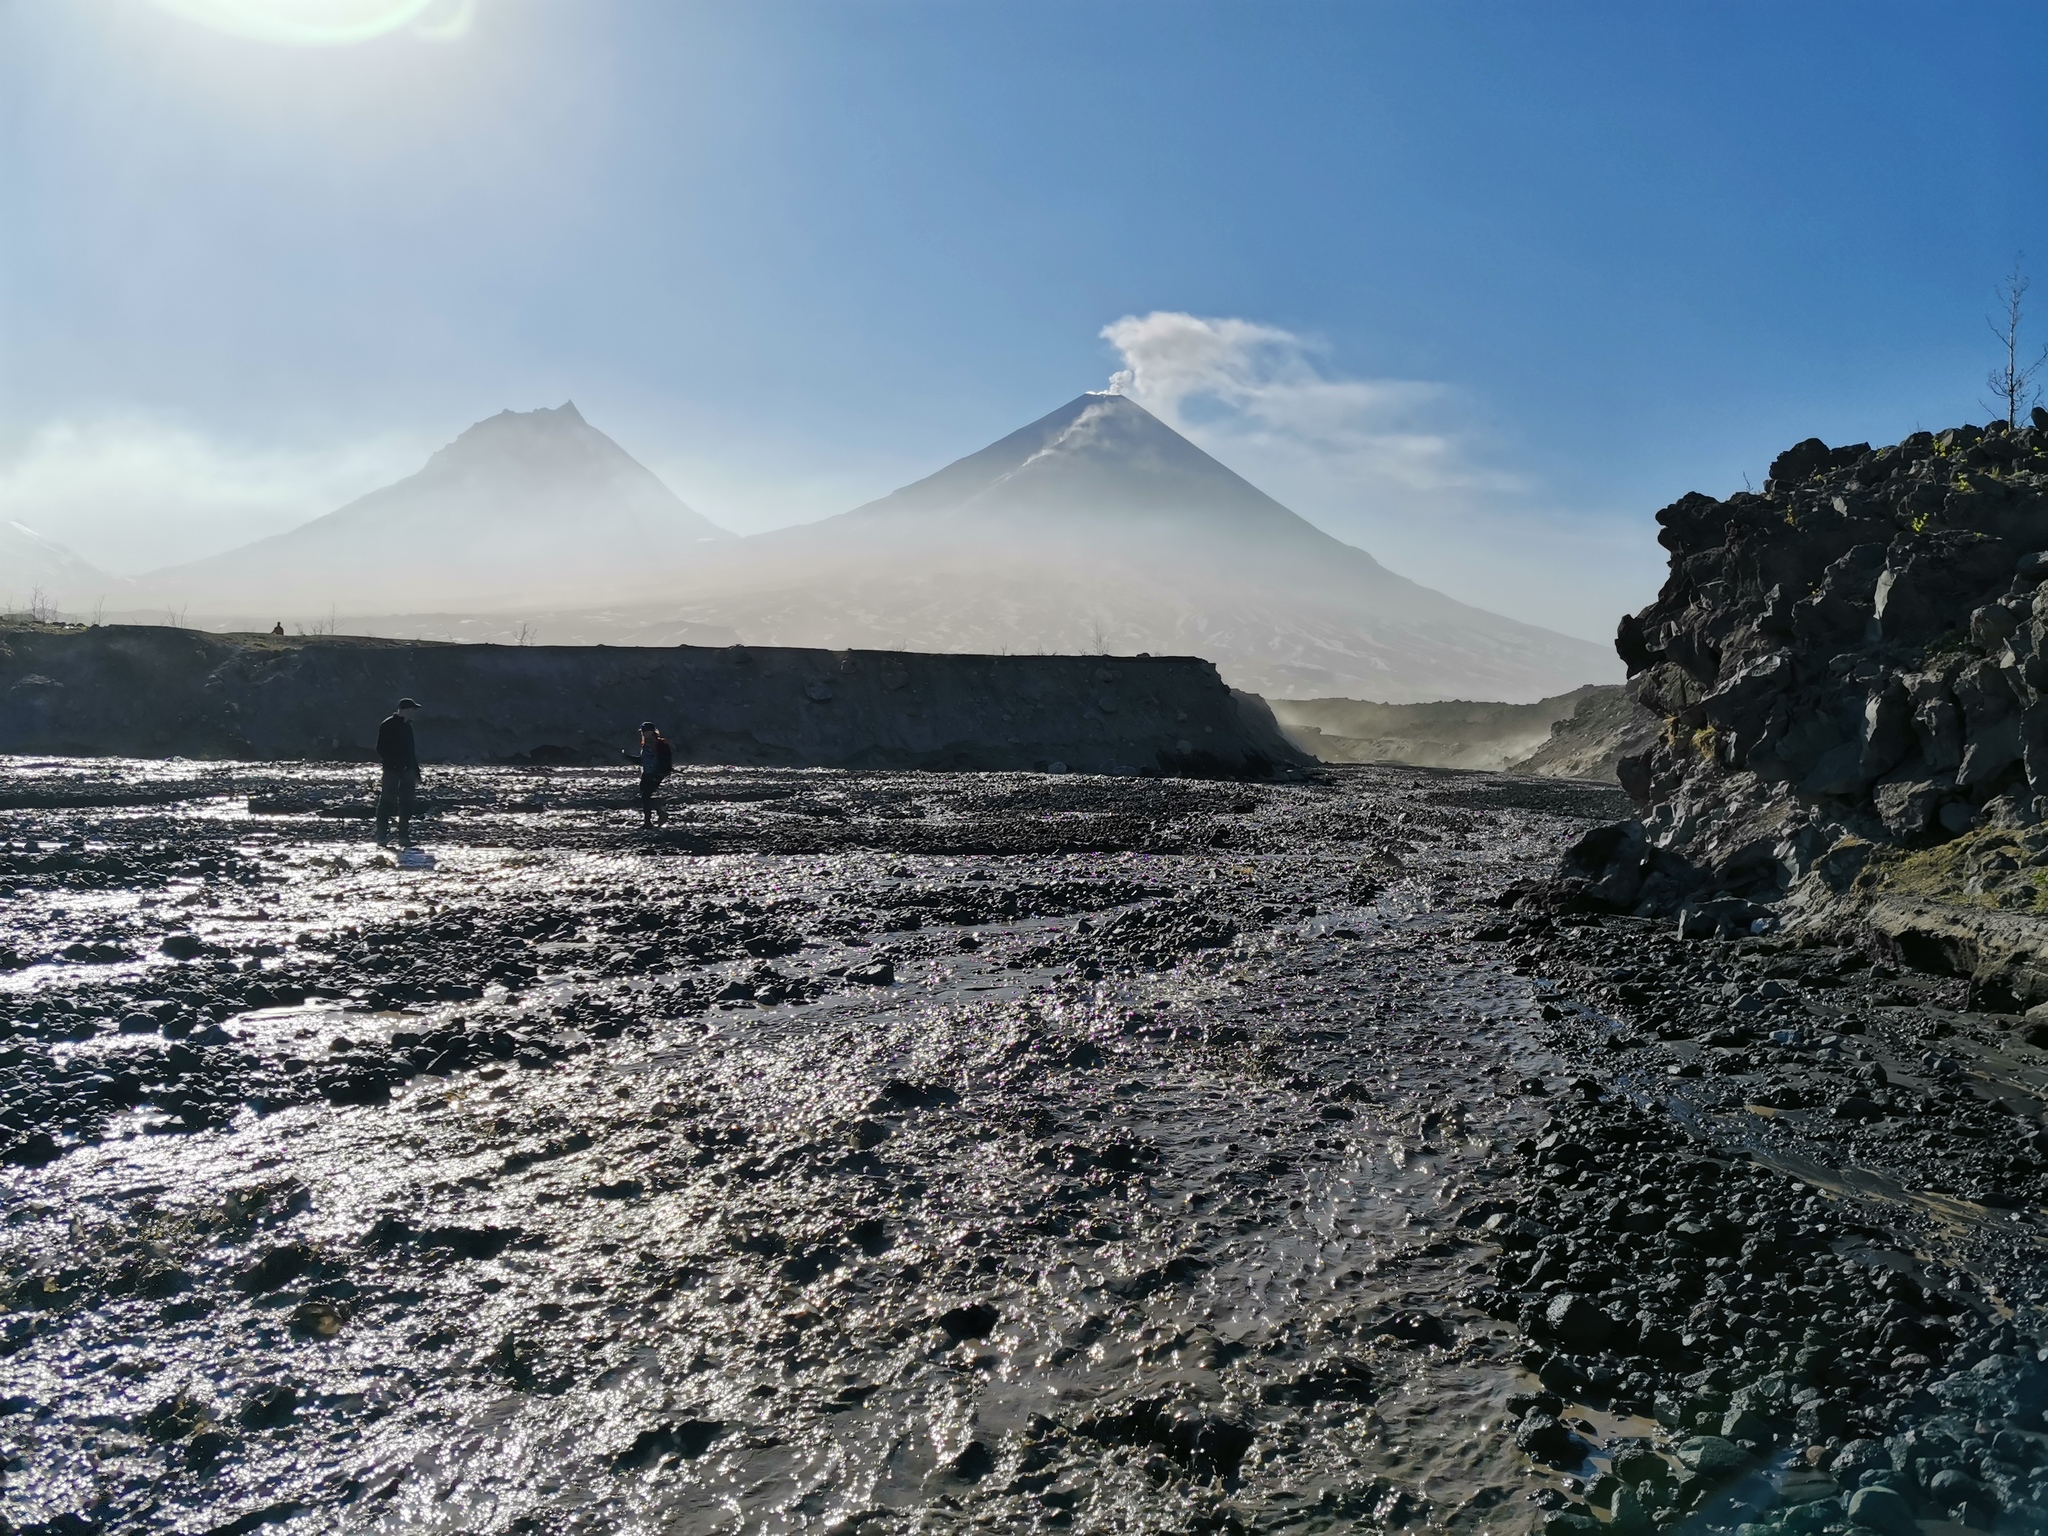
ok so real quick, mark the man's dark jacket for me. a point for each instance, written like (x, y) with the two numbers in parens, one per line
(395, 749)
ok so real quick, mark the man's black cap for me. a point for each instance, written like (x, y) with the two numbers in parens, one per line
(647, 725)
(408, 703)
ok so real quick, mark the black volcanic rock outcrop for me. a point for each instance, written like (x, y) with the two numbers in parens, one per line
(1852, 666)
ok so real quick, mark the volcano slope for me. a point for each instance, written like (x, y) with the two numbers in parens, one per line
(1098, 527)
(876, 1152)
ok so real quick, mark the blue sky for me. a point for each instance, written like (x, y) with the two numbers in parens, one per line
(1476, 286)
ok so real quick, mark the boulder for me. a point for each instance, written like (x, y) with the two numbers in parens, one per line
(1990, 625)
(1908, 807)
(1712, 1457)
(1854, 1459)
(1931, 584)
(1722, 917)
(1937, 721)
(1888, 734)
(1744, 698)
(1839, 772)
(1882, 1509)
(2023, 657)
(1799, 462)
(1746, 1426)
(1812, 1517)
(1629, 1514)
(1844, 860)
(1543, 1437)
(1578, 1321)
(1999, 1385)
(1610, 860)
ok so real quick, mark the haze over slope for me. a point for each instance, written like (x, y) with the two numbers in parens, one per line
(31, 565)
(1098, 527)
(1095, 528)
(524, 506)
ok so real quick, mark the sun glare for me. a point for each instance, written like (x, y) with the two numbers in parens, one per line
(318, 23)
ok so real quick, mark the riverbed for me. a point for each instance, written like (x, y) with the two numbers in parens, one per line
(875, 1152)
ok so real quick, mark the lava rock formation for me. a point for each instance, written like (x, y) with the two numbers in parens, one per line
(1852, 667)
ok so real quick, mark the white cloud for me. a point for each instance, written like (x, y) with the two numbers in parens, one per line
(1258, 387)
(1386, 464)
(131, 494)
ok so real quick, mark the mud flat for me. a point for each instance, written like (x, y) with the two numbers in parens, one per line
(153, 691)
(877, 1152)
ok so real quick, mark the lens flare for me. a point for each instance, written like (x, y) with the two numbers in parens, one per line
(325, 23)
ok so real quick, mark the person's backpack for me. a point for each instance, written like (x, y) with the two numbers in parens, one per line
(664, 756)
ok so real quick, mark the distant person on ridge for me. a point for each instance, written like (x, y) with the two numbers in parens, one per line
(277, 628)
(657, 760)
(401, 760)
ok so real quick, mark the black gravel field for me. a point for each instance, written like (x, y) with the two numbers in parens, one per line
(874, 1153)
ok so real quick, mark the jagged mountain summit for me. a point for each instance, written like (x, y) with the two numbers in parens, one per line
(1102, 460)
(526, 506)
(1099, 527)
(35, 569)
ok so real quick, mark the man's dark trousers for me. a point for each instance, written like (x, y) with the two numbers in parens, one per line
(395, 798)
(401, 760)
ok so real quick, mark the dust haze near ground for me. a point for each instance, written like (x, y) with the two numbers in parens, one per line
(1578, 735)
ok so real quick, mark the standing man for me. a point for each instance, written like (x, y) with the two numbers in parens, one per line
(657, 760)
(401, 760)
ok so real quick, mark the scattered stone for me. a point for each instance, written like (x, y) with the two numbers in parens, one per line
(1712, 1456)
(1546, 1439)
(677, 1439)
(1578, 1322)
(974, 1320)
(1882, 1509)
